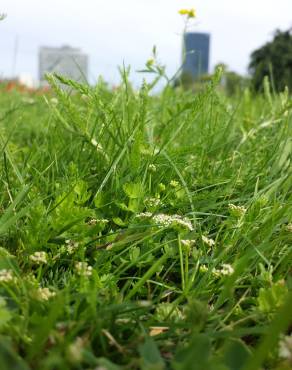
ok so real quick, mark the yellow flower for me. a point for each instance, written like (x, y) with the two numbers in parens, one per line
(150, 62)
(190, 13)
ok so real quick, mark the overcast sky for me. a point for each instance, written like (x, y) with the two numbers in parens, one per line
(113, 31)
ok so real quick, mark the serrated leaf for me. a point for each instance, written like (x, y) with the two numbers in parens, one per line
(271, 298)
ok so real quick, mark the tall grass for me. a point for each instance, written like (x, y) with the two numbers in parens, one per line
(165, 222)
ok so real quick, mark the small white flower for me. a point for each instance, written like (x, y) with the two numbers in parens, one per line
(83, 269)
(237, 211)
(94, 221)
(227, 269)
(54, 101)
(152, 202)
(174, 183)
(71, 246)
(164, 220)
(203, 268)
(187, 242)
(94, 142)
(285, 347)
(6, 276)
(44, 294)
(210, 242)
(144, 215)
(39, 258)
(152, 167)
(216, 272)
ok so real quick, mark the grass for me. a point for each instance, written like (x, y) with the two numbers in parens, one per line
(164, 226)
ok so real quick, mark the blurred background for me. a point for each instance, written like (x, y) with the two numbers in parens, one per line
(110, 33)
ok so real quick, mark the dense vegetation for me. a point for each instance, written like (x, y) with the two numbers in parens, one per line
(145, 232)
(273, 59)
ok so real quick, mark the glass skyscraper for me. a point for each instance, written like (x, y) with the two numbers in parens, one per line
(196, 52)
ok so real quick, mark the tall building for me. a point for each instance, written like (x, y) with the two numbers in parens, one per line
(66, 61)
(196, 52)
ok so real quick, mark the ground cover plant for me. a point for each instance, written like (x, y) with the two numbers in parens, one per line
(145, 232)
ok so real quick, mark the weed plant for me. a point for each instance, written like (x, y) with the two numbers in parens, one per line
(145, 232)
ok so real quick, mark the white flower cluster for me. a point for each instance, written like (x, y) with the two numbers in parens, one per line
(152, 202)
(44, 294)
(187, 242)
(39, 258)
(237, 211)
(285, 347)
(6, 276)
(92, 222)
(71, 246)
(144, 215)
(152, 167)
(162, 220)
(95, 221)
(210, 242)
(225, 270)
(83, 269)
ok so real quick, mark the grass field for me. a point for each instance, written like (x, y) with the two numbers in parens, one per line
(145, 232)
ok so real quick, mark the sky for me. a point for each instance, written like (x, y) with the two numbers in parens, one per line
(114, 32)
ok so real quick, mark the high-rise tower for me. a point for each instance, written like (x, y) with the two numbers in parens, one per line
(196, 52)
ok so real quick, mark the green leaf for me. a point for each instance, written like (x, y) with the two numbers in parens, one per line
(100, 200)
(10, 216)
(133, 190)
(118, 221)
(106, 364)
(270, 299)
(9, 359)
(197, 354)
(236, 355)
(150, 355)
(134, 254)
(5, 314)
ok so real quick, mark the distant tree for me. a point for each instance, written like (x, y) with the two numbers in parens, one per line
(274, 59)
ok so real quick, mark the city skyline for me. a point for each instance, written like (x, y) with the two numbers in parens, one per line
(115, 33)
